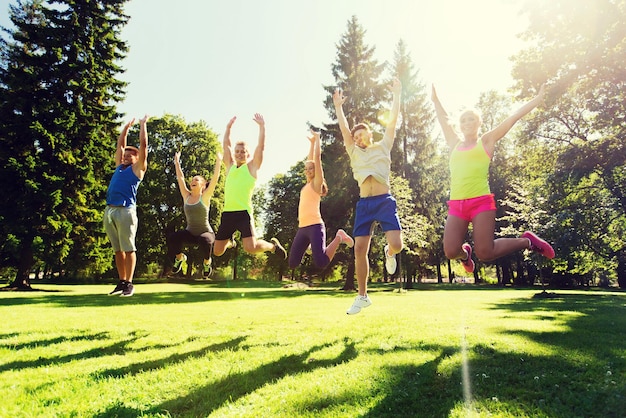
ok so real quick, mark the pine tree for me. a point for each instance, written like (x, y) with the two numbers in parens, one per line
(59, 91)
(418, 157)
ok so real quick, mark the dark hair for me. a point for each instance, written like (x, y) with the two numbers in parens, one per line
(132, 149)
(358, 126)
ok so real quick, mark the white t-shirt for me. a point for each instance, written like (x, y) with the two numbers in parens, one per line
(374, 161)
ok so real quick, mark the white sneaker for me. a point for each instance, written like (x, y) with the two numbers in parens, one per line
(359, 303)
(345, 238)
(390, 261)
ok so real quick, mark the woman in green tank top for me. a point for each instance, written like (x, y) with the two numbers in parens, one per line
(470, 197)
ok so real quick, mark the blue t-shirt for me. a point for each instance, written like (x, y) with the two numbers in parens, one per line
(122, 189)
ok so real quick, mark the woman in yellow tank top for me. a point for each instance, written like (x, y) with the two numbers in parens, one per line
(311, 228)
(470, 196)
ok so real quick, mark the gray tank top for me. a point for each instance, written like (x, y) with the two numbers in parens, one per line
(197, 215)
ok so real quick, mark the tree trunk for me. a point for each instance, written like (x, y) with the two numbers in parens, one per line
(450, 273)
(25, 264)
(621, 269)
(439, 276)
(235, 258)
(349, 284)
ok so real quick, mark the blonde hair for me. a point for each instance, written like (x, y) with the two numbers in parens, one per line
(324, 190)
(474, 112)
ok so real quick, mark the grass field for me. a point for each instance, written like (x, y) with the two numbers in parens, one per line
(256, 349)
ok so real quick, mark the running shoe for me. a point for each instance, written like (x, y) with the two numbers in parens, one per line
(118, 289)
(538, 245)
(468, 263)
(345, 238)
(390, 261)
(359, 303)
(178, 264)
(278, 248)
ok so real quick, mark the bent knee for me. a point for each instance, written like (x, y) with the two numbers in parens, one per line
(484, 255)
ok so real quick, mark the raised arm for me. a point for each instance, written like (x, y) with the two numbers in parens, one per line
(228, 149)
(338, 100)
(121, 142)
(208, 192)
(140, 167)
(449, 133)
(257, 159)
(396, 89)
(316, 156)
(180, 177)
(490, 138)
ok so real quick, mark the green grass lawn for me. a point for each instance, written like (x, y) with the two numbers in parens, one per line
(255, 349)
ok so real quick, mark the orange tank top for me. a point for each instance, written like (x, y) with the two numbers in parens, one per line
(309, 207)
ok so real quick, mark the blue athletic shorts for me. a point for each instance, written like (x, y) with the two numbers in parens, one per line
(382, 209)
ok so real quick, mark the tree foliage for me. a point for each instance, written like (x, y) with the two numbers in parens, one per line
(579, 48)
(58, 91)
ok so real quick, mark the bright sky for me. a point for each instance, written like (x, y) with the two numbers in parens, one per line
(213, 59)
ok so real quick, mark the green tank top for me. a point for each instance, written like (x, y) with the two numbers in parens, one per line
(469, 172)
(238, 189)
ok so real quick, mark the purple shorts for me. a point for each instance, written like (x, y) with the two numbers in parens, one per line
(468, 208)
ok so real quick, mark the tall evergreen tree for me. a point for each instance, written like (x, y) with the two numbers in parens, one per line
(418, 157)
(58, 91)
(358, 73)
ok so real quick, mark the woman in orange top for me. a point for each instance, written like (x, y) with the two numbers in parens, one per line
(311, 229)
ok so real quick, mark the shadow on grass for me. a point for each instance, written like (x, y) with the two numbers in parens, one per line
(174, 358)
(91, 300)
(50, 341)
(585, 377)
(119, 347)
(204, 400)
(213, 291)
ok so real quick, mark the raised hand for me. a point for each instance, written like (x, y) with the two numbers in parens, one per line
(338, 97)
(258, 118)
(396, 87)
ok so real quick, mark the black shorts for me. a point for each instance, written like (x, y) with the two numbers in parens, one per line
(235, 221)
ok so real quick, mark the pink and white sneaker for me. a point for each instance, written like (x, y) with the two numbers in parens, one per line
(468, 263)
(345, 238)
(538, 245)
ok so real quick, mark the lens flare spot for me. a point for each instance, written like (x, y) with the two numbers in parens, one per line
(384, 117)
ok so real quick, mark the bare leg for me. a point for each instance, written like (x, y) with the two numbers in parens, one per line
(485, 246)
(120, 264)
(130, 262)
(220, 246)
(361, 262)
(331, 249)
(394, 239)
(454, 237)
(255, 246)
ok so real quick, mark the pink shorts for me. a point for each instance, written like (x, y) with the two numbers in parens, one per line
(468, 208)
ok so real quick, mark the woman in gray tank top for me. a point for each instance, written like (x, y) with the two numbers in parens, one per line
(196, 201)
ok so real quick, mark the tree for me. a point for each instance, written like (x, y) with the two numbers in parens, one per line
(579, 49)
(58, 90)
(417, 157)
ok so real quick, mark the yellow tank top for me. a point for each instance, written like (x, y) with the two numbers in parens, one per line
(469, 172)
(309, 207)
(238, 189)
